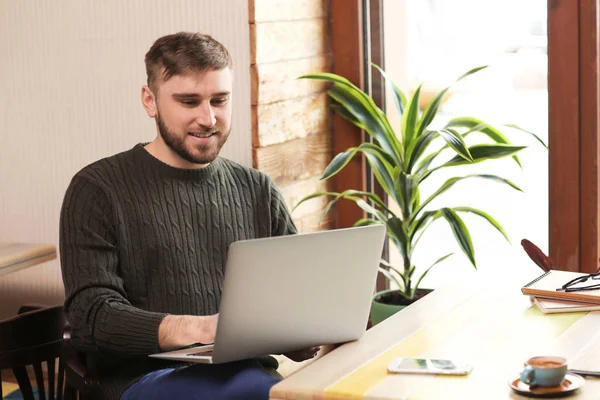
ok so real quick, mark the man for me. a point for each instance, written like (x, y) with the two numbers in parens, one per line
(144, 236)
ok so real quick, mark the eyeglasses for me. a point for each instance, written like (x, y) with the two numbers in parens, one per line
(567, 287)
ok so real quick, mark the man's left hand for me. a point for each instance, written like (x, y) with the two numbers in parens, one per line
(301, 355)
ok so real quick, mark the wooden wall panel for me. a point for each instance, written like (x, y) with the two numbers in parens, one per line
(313, 222)
(295, 160)
(286, 10)
(287, 40)
(299, 189)
(276, 82)
(291, 119)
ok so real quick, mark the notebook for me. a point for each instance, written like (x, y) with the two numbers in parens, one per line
(552, 306)
(546, 285)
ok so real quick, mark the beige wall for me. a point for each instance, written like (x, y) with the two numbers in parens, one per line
(70, 76)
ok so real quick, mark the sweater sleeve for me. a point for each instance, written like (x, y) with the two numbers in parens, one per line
(281, 219)
(102, 318)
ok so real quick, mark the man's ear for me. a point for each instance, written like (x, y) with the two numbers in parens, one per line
(149, 101)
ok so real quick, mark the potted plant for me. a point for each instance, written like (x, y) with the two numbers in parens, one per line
(401, 162)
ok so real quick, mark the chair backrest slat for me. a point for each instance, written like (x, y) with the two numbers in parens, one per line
(61, 383)
(50, 366)
(30, 339)
(39, 380)
(23, 381)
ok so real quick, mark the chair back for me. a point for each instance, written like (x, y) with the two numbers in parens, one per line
(33, 338)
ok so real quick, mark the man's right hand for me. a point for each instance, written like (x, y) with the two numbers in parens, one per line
(177, 331)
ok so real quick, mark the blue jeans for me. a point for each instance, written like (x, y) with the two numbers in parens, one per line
(246, 380)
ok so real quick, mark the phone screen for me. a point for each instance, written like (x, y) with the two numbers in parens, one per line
(428, 366)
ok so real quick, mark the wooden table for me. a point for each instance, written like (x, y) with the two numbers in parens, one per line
(487, 322)
(16, 256)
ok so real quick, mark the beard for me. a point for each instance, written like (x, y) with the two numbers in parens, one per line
(200, 154)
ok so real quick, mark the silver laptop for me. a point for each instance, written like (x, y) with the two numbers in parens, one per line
(292, 292)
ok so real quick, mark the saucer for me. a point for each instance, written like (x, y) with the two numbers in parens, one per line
(571, 383)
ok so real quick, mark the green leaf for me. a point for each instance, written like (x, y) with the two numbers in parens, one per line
(409, 119)
(369, 209)
(312, 196)
(452, 181)
(327, 76)
(392, 278)
(354, 195)
(389, 266)
(338, 163)
(420, 226)
(536, 137)
(430, 135)
(461, 234)
(420, 222)
(376, 150)
(381, 164)
(430, 112)
(486, 216)
(362, 107)
(423, 168)
(482, 152)
(396, 229)
(418, 148)
(399, 194)
(338, 108)
(477, 125)
(428, 269)
(457, 143)
(405, 188)
(381, 170)
(416, 196)
(399, 97)
(471, 72)
(353, 101)
(432, 108)
(373, 197)
(366, 222)
(350, 194)
(330, 205)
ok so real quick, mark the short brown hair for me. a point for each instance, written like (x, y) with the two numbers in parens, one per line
(182, 53)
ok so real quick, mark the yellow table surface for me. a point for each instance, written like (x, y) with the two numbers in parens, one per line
(486, 322)
(16, 256)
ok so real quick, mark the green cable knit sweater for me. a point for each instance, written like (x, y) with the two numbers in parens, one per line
(140, 239)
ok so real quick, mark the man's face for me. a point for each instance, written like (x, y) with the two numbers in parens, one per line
(193, 117)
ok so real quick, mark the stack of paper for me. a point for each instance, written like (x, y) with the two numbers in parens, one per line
(544, 293)
(551, 306)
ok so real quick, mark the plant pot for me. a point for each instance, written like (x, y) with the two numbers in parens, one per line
(388, 302)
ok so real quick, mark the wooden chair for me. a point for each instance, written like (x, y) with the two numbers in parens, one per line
(80, 379)
(31, 338)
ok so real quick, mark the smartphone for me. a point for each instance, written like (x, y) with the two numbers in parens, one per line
(428, 366)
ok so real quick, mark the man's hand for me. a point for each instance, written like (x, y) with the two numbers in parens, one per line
(301, 355)
(176, 331)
